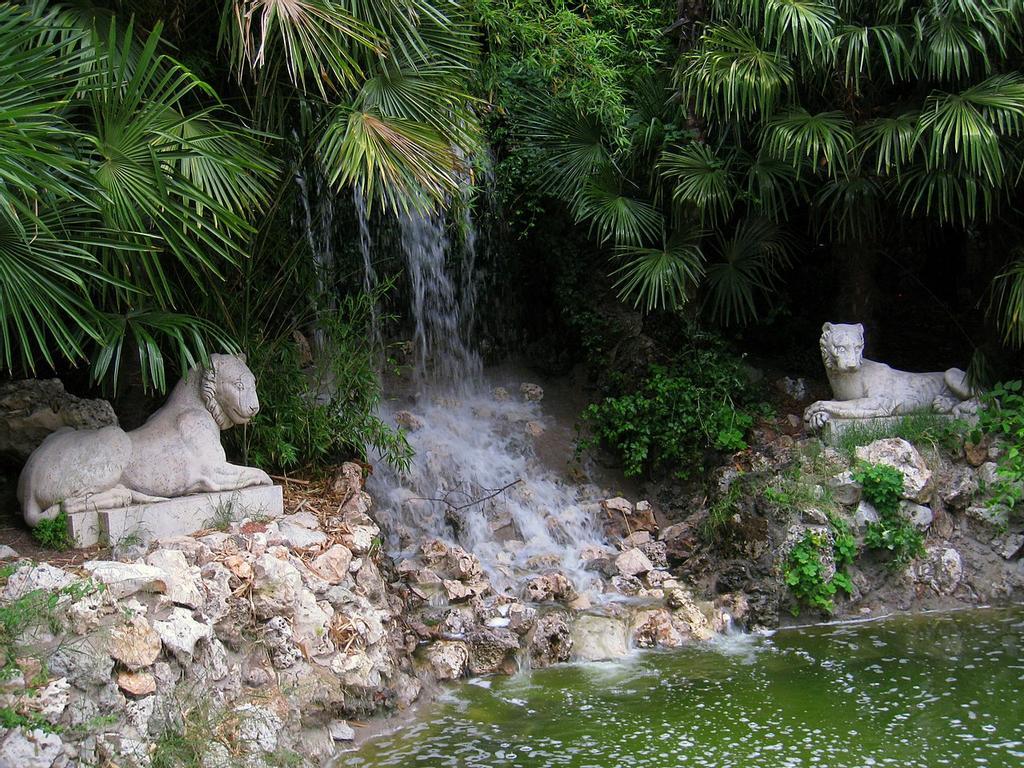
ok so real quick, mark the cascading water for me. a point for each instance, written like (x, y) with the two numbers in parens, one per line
(369, 272)
(318, 208)
(476, 479)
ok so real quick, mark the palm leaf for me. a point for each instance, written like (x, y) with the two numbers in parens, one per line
(615, 216)
(394, 160)
(660, 278)
(730, 75)
(702, 179)
(745, 269)
(1008, 303)
(893, 141)
(862, 48)
(823, 140)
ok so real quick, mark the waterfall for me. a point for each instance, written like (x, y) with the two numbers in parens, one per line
(318, 209)
(369, 273)
(476, 479)
(443, 352)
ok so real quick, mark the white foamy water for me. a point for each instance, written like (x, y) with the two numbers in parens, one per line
(476, 481)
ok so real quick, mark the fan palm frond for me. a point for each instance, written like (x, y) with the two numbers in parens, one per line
(147, 333)
(702, 179)
(730, 75)
(1007, 303)
(804, 26)
(850, 205)
(141, 160)
(823, 140)
(660, 278)
(746, 268)
(772, 186)
(614, 215)
(968, 124)
(394, 160)
(314, 37)
(949, 194)
(893, 141)
(862, 48)
(573, 146)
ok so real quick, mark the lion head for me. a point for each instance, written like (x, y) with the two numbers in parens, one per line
(842, 346)
(228, 390)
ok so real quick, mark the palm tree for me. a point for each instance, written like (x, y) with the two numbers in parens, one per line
(129, 189)
(857, 116)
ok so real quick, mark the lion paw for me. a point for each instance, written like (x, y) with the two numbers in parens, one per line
(816, 417)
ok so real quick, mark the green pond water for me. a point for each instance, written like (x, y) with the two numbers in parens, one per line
(932, 690)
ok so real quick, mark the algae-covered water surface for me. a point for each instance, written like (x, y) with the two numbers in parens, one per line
(932, 690)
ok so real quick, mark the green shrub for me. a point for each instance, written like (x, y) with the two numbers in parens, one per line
(883, 487)
(313, 417)
(676, 413)
(1003, 416)
(53, 534)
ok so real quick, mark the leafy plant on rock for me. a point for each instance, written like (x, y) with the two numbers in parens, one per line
(805, 567)
(1003, 417)
(883, 488)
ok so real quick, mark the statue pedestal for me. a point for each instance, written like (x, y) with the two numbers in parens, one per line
(875, 427)
(174, 517)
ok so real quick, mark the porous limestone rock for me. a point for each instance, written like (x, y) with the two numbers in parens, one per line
(899, 454)
(919, 515)
(492, 650)
(845, 490)
(550, 639)
(598, 638)
(24, 748)
(276, 587)
(29, 578)
(184, 581)
(448, 659)
(180, 633)
(135, 643)
(531, 392)
(175, 453)
(32, 409)
(125, 579)
(136, 683)
(957, 487)
(332, 565)
(942, 569)
(633, 562)
(864, 389)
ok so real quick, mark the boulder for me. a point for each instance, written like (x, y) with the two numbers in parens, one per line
(532, 393)
(276, 587)
(135, 644)
(183, 581)
(125, 579)
(942, 569)
(24, 748)
(550, 586)
(866, 513)
(918, 514)
(332, 566)
(550, 640)
(408, 421)
(448, 659)
(180, 633)
(31, 409)
(633, 562)
(898, 453)
(598, 638)
(845, 490)
(29, 578)
(136, 683)
(957, 487)
(492, 649)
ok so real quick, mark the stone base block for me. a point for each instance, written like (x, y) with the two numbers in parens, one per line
(175, 517)
(874, 428)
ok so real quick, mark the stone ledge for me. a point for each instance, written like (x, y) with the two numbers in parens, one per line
(835, 428)
(175, 517)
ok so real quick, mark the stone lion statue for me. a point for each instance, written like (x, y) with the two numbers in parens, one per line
(865, 389)
(177, 451)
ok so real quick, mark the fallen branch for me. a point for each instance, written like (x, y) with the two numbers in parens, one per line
(491, 493)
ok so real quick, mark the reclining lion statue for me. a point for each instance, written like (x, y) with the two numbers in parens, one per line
(865, 389)
(177, 451)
